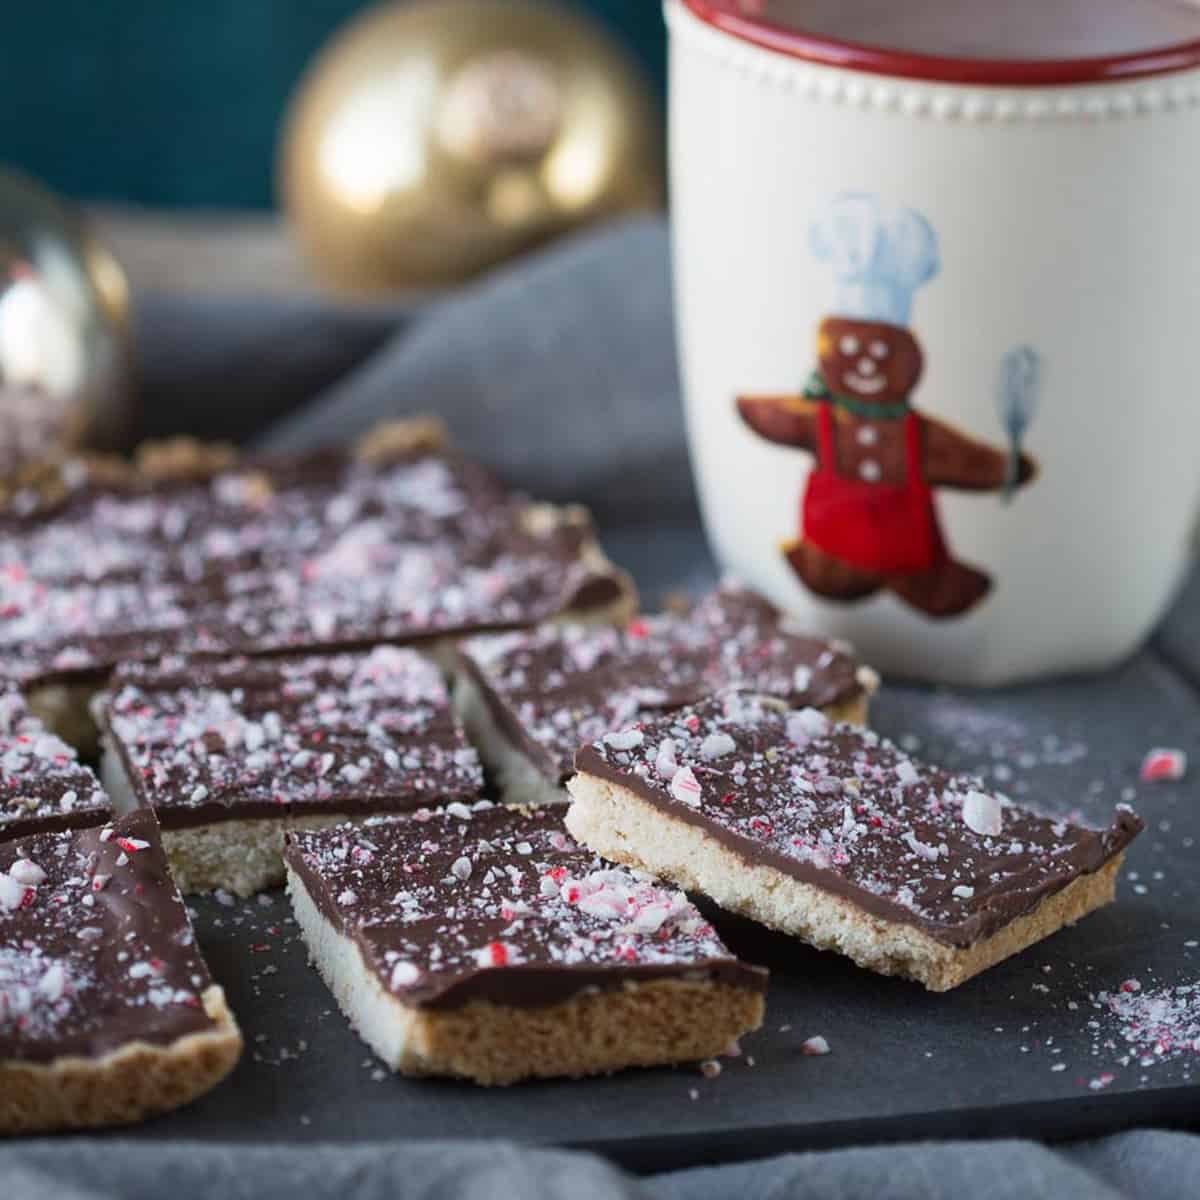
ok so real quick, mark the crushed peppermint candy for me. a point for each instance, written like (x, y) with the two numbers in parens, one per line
(815, 1046)
(982, 813)
(342, 733)
(1161, 764)
(290, 555)
(12, 893)
(404, 974)
(528, 897)
(805, 725)
(42, 785)
(565, 685)
(830, 801)
(82, 978)
(625, 739)
(716, 745)
(26, 872)
(1157, 1024)
(685, 787)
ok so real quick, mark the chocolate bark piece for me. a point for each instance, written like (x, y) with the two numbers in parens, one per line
(480, 941)
(194, 550)
(833, 834)
(42, 785)
(231, 752)
(107, 1011)
(529, 700)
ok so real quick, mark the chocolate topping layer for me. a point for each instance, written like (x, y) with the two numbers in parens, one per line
(210, 740)
(95, 946)
(496, 904)
(555, 688)
(316, 552)
(845, 810)
(42, 786)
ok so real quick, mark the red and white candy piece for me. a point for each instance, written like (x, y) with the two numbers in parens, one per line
(982, 814)
(27, 872)
(12, 893)
(685, 787)
(494, 954)
(1163, 763)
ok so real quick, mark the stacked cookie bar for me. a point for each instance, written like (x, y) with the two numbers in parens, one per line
(231, 753)
(269, 644)
(834, 835)
(482, 942)
(107, 1011)
(242, 615)
(530, 699)
(192, 550)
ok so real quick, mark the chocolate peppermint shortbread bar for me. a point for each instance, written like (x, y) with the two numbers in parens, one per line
(192, 549)
(42, 784)
(107, 1011)
(832, 834)
(232, 752)
(530, 700)
(481, 942)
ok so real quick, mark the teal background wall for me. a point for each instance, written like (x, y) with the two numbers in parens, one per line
(177, 102)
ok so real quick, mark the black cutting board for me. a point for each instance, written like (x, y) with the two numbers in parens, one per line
(904, 1063)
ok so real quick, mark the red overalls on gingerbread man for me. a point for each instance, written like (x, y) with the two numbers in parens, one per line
(868, 518)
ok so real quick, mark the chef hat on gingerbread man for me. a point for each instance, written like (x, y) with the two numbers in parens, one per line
(879, 256)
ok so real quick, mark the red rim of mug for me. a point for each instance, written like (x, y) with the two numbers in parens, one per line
(878, 60)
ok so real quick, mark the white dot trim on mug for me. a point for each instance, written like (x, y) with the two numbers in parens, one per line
(940, 101)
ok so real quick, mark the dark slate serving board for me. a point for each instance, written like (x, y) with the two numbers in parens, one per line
(904, 1063)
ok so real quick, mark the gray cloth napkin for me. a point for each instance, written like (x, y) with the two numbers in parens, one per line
(1150, 1164)
(560, 372)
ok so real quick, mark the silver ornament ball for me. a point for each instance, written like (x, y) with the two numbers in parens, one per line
(65, 355)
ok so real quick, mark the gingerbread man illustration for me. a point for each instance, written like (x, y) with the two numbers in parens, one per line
(868, 517)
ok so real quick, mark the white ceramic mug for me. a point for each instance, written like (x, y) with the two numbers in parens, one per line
(940, 338)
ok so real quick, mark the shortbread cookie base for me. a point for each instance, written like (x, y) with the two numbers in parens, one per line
(540, 518)
(132, 1083)
(646, 1024)
(519, 779)
(620, 826)
(242, 856)
(65, 709)
(239, 856)
(853, 711)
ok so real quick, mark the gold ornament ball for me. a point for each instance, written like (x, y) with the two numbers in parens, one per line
(65, 358)
(431, 140)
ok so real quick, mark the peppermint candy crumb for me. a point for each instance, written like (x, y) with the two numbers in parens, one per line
(685, 787)
(26, 872)
(982, 814)
(404, 974)
(1163, 764)
(625, 739)
(494, 954)
(716, 745)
